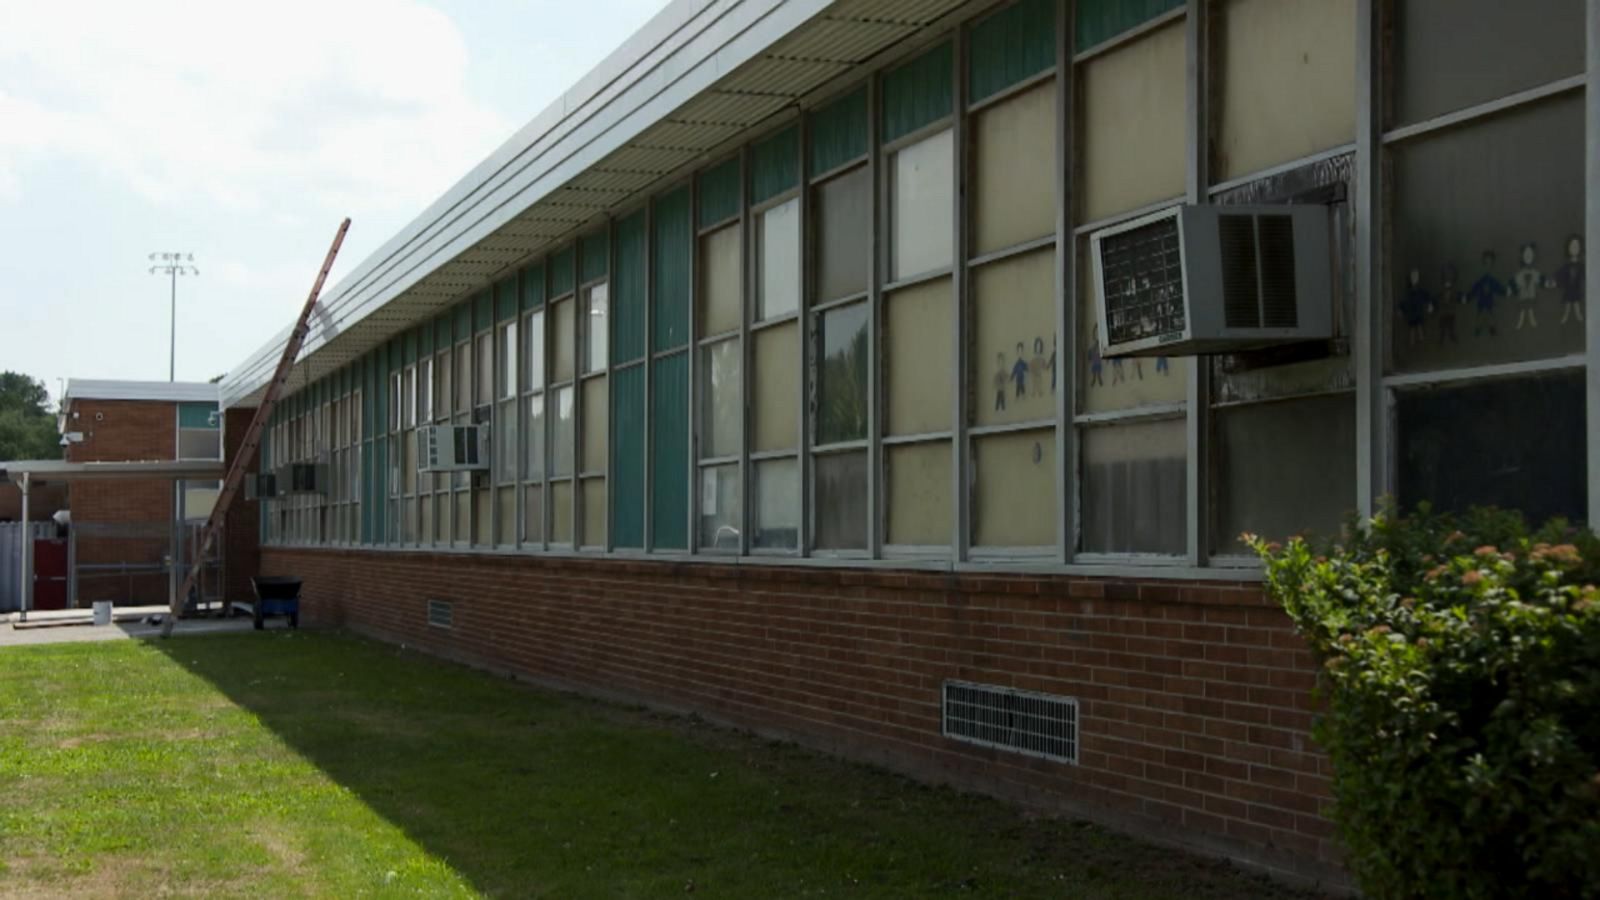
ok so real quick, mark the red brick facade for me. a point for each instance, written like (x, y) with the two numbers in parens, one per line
(43, 501)
(125, 430)
(1195, 697)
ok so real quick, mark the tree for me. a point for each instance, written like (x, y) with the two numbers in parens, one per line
(27, 425)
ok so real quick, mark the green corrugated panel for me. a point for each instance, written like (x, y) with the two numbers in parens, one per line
(199, 415)
(627, 447)
(442, 332)
(669, 453)
(410, 343)
(505, 300)
(463, 320)
(775, 165)
(425, 338)
(673, 242)
(917, 93)
(561, 273)
(628, 291)
(1012, 45)
(532, 287)
(594, 251)
(838, 132)
(719, 193)
(482, 311)
(1099, 21)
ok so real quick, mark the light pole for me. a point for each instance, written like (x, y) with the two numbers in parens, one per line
(172, 265)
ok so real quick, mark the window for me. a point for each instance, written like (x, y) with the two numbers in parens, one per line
(920, 511)
(1015, 352)
(1014, 171)
(484, 393)
(1135, 488)
(775, 504)
(562, 434)
(841, 401)
(923, 207)
(778, 260)
(1014, 493)
(917, 358)
(594, 512)
(564, 340)
(720, 294)
(533, 460)
(720, 402)
(595, 307)
(533, 352)
(1132, 132)
(841, 234)
(1285, 468)
(841, 510)
(595, 425)
(506, 364)
(775, 404)
(719, 509)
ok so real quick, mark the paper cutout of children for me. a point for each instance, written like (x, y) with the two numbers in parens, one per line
(1569, 280)
(1019, 373)
(1036, 367)
(1414, 308)
(1053, 344)
(1451, 298)
(1097, 363)
(1483, 294)
(1525, 285)
(1001, 376)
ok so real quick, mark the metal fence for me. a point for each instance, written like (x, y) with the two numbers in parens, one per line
(13, 542)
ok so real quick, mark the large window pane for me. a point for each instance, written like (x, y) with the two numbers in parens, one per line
(720, 293)
(1516, 444)
(463, 516)
(596, 422)
(561, 433)
(533, 459)
(533, 352)
(775, 505)
(719, 508)
(441, 393)
(595, 307)
(1014, 499)
(778, 260)
(1134, 498)
(505, 444)
(842, 375)
(1288, 82)
(843, 219)
(1132, 130)
(506, 365)
(775, 404)
(506, 504)
(1014, 170)
(919, 476)
(923, 199)
(485, 360)
(841, 500)
(1106, 385)
(532, 514)
(719, 399)
(1015, 354)
(483, 511)
(463, 377)
(1284, 468)
(563, 340)
(561, 512)
(917, 358)
(1489, 268)
(594, 512)
(424, 395)
(1452, 54)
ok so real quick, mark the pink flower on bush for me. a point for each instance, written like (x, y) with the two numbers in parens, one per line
(1472, 578)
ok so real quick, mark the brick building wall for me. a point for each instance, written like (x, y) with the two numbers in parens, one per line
(122, 430)
(1195, 697)
(43, 501)
(241, 535)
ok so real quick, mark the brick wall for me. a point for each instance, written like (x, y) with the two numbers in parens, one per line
(1195, 697)
(43, 501)
(125, 430)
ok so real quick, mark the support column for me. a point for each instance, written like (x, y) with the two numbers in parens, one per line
(1592, 263)
(27, 551)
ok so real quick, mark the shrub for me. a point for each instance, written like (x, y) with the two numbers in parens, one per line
(1461, 689)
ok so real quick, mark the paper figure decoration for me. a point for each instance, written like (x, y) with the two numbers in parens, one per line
(1019, 373)
(1053, 343)
(1415, 306)
(1525, 285)
(1484, 293)
(1450, 301)
(1569, 280)
(1036, 367)
(1002, 375)
(1097, 363)
(1163, 367)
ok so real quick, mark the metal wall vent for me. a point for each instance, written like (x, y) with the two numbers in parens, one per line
(441, 613)
(1033, 724)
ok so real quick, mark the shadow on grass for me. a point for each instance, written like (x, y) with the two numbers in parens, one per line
(526, 792)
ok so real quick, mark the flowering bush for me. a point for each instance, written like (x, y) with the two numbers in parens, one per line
(1461, 691)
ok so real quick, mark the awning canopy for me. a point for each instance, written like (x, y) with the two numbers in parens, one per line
(47, 470)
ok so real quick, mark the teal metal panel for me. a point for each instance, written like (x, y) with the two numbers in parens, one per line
(775, 165)
(594, 252)
(669, 452)
(410, 343)
(463, 320)
(719, 193)
(533, 287)
(1012, 45)
(505, 299)
(628, 291)
(627, 448)
(482, 311)
(1099, 21)
(561, 273)
(425, 339)
(918, 93)
(673, 248)
(369, 394)
(199, 415)
(442, 337)
(838, 132)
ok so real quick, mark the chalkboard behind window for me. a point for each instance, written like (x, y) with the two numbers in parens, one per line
(1516, 444)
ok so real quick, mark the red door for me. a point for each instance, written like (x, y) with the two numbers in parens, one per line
(50, 574)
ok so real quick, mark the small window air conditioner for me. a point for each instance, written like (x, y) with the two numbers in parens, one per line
(262, 486)
(301, 478)
(1195, 280)
(454, 448)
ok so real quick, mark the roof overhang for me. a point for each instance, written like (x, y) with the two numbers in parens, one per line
(52, 470)
(687, 86)
(161, 391)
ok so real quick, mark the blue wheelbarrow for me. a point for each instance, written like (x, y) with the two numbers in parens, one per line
(276, 595)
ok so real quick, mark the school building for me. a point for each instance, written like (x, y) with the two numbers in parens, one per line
(898, 376)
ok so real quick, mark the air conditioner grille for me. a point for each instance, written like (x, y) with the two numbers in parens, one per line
(1034, 724)
(1279, 301)
(441, 613)
(1240, 303)
(1143, 277)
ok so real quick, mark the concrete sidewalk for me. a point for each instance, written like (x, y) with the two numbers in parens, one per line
(134, 630)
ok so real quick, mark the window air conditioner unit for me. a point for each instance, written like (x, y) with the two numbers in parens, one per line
(261, 486)
(302, 478)
(1195, 280)
(454, 448)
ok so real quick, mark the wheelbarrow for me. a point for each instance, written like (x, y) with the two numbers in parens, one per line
(276, 595)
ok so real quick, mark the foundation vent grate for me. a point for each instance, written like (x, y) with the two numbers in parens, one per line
(441, 613)
(1033, 724)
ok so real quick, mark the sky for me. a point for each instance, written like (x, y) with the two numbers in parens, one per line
(242, 134)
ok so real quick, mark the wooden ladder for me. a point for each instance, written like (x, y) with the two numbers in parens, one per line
(252, 436)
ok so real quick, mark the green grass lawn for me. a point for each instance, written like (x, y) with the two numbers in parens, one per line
(288, 764)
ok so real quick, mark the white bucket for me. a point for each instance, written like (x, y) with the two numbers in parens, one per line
(102, 612)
